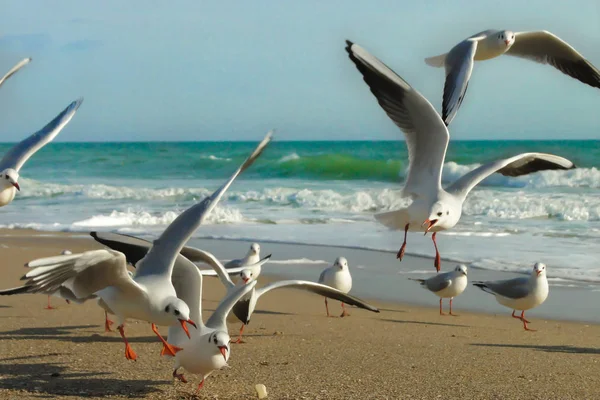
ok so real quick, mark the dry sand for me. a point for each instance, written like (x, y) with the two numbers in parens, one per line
(405, 352)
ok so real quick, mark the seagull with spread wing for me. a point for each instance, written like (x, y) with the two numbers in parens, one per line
(540, 46)
(433, 208)
(149, 295)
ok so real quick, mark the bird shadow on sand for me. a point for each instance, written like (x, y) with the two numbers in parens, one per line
(402, 321)
(392, 310)
(64, 334)
(48, 380)
(3, 306)
(546, 348)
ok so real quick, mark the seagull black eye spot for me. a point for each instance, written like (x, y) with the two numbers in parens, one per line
(447, 212)
(6, 176)
(439, 214)
(177, 312)
(167, 309)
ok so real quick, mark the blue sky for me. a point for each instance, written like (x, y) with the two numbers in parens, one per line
(231, 70)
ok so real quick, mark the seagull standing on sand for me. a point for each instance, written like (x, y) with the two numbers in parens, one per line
(338, 277)
(433, 208)
(446, 285)
(520, 293)
(12, 161)
(540, 46)
(14, 69)
(150, 295)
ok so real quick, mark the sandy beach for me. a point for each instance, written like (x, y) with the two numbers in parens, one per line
(405, 352)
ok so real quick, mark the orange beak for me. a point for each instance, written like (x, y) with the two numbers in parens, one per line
(430, 223)
(184, 326)
(507, 42)
(17, 186)
(538, 273)
(245, 280)
(223, 350)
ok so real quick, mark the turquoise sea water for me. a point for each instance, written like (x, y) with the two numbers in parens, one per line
(321, 192)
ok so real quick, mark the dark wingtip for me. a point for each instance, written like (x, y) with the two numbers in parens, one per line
(573, 166)
(94, 234)
(19, 290)
(349, 46)
(376, 310)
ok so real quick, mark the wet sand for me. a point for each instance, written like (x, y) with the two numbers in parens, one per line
(405, 352)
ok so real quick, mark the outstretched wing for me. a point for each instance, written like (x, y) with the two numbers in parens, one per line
(14, 69)
(518, 165)
(231, 271)
(545, 48)
(218, 320)
(319, 289)
(161, 257)
(21, 152)
(426, 134)
(459, 65)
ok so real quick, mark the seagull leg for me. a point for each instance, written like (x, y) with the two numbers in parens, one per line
(525, 322)
(438, 261)
(201, 384)
(403, 247)
(168, 348)
(327, 307)
(441, 309)
(344, 312)
(239, 339)
(454, 315)
(107, 323)
(515, 316)
(179, 376)
(129, 353)
(49, 306)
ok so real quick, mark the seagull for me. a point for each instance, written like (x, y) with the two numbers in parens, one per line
(338, 277)
(251, 257)
(135, 247)
(14, 69)
(540, 46)
(446, 285)
(150, 294)
(522, 293)
(433, 208)
(12, 161)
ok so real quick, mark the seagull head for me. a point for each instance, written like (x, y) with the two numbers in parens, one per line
(177, 309)
(506, 38)
(462, 269)
(247, 275)
(221, 340)
(341, 263)
(539, 269)
(9, 178)
(255, 248)
(439, 215)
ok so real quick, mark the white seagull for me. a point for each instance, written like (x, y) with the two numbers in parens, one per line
(149, 295)
(446, 285)
(522, 293)
(12, 161)
(338, 277)
(14, 69)
(433, 208)
(134, 247)
(539, 46)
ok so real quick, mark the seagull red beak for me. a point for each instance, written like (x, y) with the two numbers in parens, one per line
(17, 186)
(538, 273)
(507, 42)
(185, 328)
(431, 223)
(223, 350)
(245, 280)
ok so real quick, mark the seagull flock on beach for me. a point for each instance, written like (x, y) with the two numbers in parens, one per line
(165, 286)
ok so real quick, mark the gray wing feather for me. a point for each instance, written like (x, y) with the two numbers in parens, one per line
(161, 257)
(518, 165)
(21, 152)
(459, 65)
(317, 288)
(545, 48)
(515, 288)
(437, 283)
